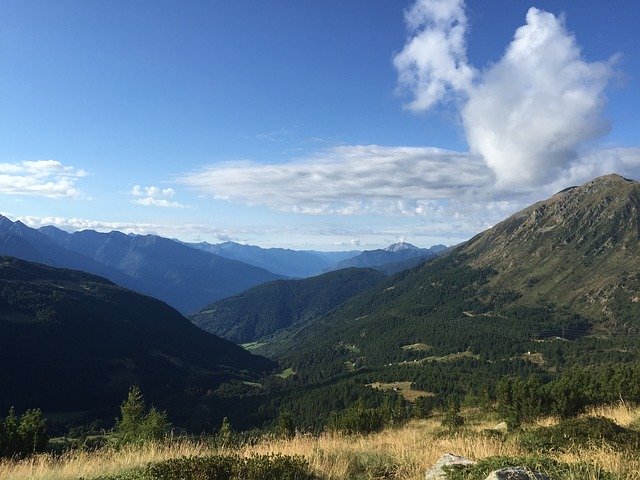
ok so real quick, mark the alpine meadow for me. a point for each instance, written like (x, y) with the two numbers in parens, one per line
(281, 240)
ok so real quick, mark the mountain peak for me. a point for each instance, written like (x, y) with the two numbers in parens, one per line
(397, 247)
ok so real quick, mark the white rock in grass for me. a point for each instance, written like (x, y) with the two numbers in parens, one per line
(516, 473)
(437, 473)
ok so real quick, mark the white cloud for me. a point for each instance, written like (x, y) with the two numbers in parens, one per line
(47, 178)
(530, 112)
(347, 180)
(154, 197)
(433, 62)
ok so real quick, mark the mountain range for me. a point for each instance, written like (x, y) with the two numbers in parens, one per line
(184, 277)
(393, 259)
(290, 263)
(550, 288)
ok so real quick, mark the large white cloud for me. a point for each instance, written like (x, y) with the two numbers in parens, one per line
(433, 62)
(48, 178)
(528, 114)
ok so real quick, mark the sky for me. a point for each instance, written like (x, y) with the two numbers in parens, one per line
(325, 125)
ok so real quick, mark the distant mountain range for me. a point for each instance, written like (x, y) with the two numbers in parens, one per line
(188, 276)
(566, 267)
(70, 341)
(393, 259)
(270, 307)
(290, 263)
(184, 277)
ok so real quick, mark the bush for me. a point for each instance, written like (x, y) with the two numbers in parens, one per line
(580, 431)
(452, 419)
(219, 467)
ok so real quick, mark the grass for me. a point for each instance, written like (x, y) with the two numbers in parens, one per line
(402, 388)
(404, 453)
(286, 373)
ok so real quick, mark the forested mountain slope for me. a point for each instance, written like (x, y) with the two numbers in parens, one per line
(72, 341)
(267, 308)
(566, 267)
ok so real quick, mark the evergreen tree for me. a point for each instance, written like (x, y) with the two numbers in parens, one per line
(285, 426)
(135, 425)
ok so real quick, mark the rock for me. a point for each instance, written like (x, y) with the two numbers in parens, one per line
(501, 427)
(437, 473)
(516, 473)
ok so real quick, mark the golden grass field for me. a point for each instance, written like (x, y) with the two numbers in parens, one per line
(403, 453)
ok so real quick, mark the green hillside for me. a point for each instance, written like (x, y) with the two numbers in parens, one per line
(268, 308)
(563, 268)
(70, 341)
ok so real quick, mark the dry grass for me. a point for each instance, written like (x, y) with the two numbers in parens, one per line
(404, 453)
(622, 413)
(77, 464)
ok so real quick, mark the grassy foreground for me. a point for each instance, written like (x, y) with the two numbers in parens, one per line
(403, 453)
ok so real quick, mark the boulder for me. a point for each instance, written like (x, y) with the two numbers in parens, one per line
(516, 473)
(437, 473)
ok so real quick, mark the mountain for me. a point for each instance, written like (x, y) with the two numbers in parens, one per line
(267, 308)
(393, 259)
(184, 277)
(72, 341)
(290, 263)
(19, 240)
(566, 267)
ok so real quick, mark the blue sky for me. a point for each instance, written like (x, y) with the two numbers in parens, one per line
(326, 125)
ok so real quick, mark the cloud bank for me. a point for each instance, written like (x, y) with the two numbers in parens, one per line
(348, 180)
(529, 114)
(46, 178)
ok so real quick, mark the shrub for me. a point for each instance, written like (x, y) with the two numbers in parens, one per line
(452, 419)
(220, 467)
(580, 431)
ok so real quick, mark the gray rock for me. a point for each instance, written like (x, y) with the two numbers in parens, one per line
(437, 473)
(516, 473)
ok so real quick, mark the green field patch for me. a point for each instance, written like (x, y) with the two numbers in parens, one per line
(286, 373)
(402, 388)
(252, 345)
(417, 347)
